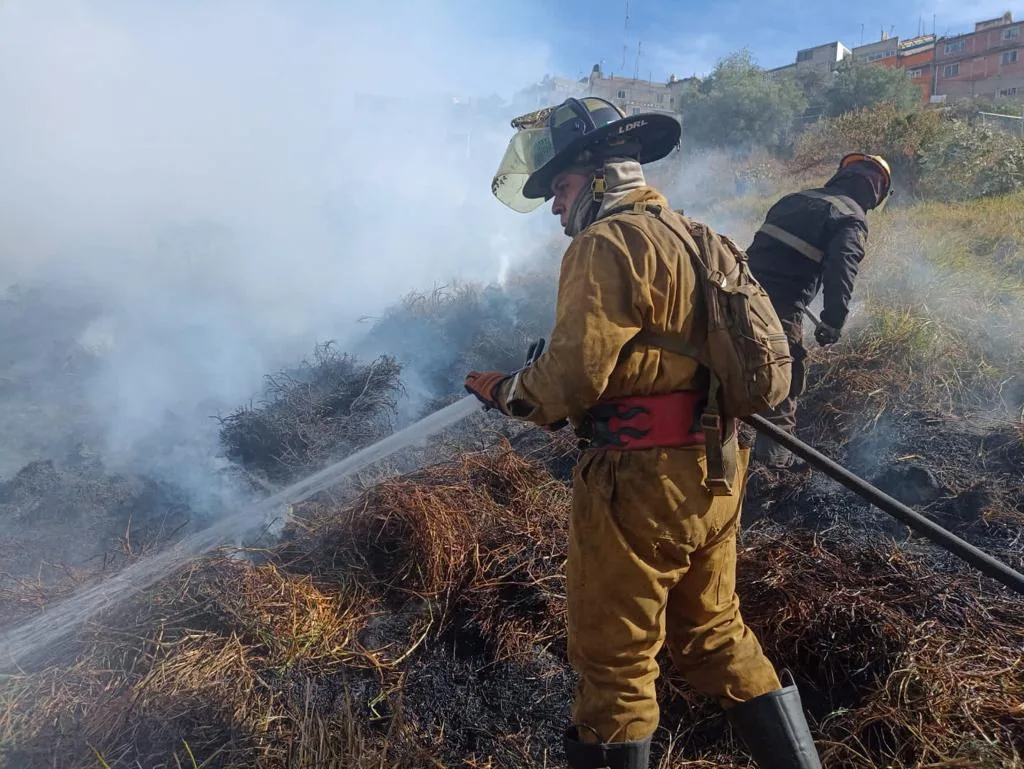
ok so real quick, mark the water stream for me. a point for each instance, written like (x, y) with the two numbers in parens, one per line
(62, 619)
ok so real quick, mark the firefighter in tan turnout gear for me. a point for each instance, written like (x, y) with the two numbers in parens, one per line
(814, 240)
(652, 552)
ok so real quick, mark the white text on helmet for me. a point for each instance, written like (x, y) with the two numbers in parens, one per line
(631, 126)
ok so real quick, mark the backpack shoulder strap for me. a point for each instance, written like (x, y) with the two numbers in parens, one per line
(720, 438)
(666, 341)
(659, 212)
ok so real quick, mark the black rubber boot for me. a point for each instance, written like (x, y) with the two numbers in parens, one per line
(775, 731)
(606, 755)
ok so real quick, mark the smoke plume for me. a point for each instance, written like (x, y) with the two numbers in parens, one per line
(214, 188)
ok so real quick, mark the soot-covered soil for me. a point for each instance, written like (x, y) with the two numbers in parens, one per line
(421, 620)
(424, 622)
(62, 522)
(963, 472)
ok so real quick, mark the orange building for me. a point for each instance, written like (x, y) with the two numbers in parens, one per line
(917, 56)
(987, 62)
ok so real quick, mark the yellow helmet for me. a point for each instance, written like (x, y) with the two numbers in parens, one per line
(879, 162)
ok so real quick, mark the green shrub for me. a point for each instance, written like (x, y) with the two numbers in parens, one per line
(859, 84)
(969, 161)
(933, 153)
(736, 106)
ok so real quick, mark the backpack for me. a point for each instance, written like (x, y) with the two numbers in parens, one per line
(745, 349)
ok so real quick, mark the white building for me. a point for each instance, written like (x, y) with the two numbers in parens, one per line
(632, 95)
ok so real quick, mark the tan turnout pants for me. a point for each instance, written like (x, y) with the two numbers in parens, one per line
(652, 559)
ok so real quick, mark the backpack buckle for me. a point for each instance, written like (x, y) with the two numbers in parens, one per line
(711, 423)
(719, 487)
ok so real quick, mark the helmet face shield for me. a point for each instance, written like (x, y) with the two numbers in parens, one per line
(542, 136)
(528, 150)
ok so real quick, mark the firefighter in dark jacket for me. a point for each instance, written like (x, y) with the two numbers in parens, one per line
(814, 240)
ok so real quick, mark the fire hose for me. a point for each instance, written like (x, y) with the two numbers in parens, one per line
(944, 538)
(979, 559)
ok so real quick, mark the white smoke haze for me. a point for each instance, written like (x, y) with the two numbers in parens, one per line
(207, 175)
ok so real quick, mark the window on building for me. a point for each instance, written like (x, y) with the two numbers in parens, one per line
(951, 70)
(915, 73)
(671, 101)
(1006, 93)
(804, 55)
(1009, 57)
(661, 98)
(622, 94)
(956, 45)
(1013, 33)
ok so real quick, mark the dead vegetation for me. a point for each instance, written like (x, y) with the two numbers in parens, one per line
(438, 336)
(422, 625)
(309, 413)
(62, 522)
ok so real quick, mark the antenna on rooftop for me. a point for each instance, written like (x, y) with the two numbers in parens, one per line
(636, 72)
(625, 37)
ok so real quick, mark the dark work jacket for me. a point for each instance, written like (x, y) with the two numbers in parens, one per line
(826, 245)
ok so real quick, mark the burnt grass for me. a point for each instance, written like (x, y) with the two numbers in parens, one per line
(62, 522)
(964, 473)
(310, 411)
(421, 619)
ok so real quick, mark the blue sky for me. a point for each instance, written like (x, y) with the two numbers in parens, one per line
(686, 37)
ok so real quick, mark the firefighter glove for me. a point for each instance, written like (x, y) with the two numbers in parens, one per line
(826, 335)
(484, 385)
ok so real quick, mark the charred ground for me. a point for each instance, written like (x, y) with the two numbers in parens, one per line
(415, 617)
(424, 619)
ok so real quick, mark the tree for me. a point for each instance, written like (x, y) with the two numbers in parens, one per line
(858, 84)
(738, 106)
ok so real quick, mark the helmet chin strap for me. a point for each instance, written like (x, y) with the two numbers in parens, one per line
(598, 186)
(584, 208)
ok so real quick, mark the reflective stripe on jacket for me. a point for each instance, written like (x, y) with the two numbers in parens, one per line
(811, 240)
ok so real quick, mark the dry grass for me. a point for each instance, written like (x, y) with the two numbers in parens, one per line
(936, 317)
(306, 655)
(191, 666)
(422, 624)
(480, 534)
(875, 627)
(327, 403)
